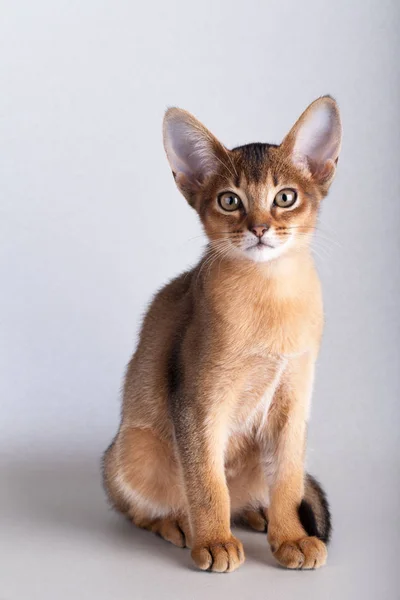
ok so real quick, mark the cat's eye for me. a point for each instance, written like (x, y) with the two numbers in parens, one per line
(285, 198)
(229, 201)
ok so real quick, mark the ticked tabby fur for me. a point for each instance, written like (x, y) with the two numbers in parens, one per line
(217, 395)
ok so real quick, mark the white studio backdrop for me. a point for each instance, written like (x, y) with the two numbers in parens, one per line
(92, 225)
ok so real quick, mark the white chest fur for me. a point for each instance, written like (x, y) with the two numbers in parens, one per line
(251, 414)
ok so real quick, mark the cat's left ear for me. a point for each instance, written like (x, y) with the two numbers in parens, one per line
(314, 141)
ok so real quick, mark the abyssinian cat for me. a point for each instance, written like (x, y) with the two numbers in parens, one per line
(217, 395)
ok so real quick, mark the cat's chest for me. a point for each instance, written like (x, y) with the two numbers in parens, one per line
(280, 329)
(260, 383)
(280, 312)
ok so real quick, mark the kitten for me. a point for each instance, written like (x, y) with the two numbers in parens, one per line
(217, 394)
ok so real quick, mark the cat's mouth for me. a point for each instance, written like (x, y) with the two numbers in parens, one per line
(260, 245)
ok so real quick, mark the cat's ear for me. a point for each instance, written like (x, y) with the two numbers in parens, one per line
(313, 143)
(194, 154)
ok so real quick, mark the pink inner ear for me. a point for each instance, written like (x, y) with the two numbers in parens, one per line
(189, 149)
(322, 171)
(318, 137)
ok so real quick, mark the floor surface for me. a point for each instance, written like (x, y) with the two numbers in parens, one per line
(59, 540)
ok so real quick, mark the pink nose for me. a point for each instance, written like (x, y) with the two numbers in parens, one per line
(259, 230)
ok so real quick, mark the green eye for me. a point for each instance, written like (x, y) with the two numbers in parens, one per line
(285, 198)
(229, 201)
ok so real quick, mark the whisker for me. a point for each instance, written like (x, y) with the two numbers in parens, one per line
(319, 232)
(215, 250)
(221, 254)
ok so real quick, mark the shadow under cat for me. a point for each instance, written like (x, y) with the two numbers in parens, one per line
(67, 496)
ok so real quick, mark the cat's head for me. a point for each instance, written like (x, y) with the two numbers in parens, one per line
(256, 201)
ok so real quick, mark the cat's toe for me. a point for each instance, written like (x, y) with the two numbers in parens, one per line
(306, 553)
(219, 557)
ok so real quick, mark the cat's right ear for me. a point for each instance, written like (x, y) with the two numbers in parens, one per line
(192, 151)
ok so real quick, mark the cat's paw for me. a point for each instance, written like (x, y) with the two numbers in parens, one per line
(220, 557)
(305, 553)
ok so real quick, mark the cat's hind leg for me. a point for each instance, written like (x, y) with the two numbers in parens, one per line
(143, 482)
(174, 528)
(248, 490)
(257, 519)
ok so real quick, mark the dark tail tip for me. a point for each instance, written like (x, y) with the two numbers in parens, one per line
(314, 513)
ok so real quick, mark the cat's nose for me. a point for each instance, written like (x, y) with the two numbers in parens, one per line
(259, 230)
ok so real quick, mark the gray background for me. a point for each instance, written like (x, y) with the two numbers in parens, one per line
(91, 225)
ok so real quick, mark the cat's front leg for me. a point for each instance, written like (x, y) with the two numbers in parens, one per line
(201, 422)
(290, 544)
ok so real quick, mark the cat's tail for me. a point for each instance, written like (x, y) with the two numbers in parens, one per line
(314, 510)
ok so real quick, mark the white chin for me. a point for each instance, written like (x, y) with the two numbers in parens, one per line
(262, 253)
